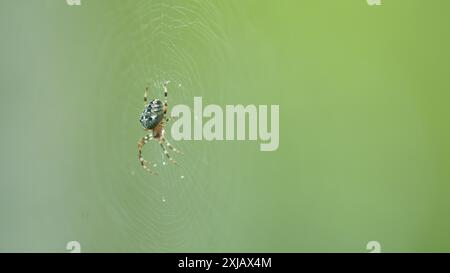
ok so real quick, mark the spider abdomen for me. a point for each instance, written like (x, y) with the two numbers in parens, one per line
(152, 114)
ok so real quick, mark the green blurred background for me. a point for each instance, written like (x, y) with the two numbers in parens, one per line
(364, 125)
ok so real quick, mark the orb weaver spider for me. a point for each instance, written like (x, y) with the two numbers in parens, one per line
(154, 119)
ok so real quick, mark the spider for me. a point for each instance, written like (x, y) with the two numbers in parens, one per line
(153, 119)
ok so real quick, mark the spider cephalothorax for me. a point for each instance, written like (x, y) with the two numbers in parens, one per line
(153, 119)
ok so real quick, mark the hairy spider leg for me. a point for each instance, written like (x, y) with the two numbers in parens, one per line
(165, 96)
(171, 147)
(145, 96)
(144, 163)
(161, 142)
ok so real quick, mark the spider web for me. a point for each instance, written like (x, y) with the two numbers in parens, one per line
(155, 212)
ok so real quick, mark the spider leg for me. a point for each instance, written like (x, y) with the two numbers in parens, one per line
(171, 147)
(144, 163)
(165, 96)
(145, 96)
(161, 142)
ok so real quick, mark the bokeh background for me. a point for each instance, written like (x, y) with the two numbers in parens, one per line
(364, 125)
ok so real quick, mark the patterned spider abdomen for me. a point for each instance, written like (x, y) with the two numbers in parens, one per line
(152, 114)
